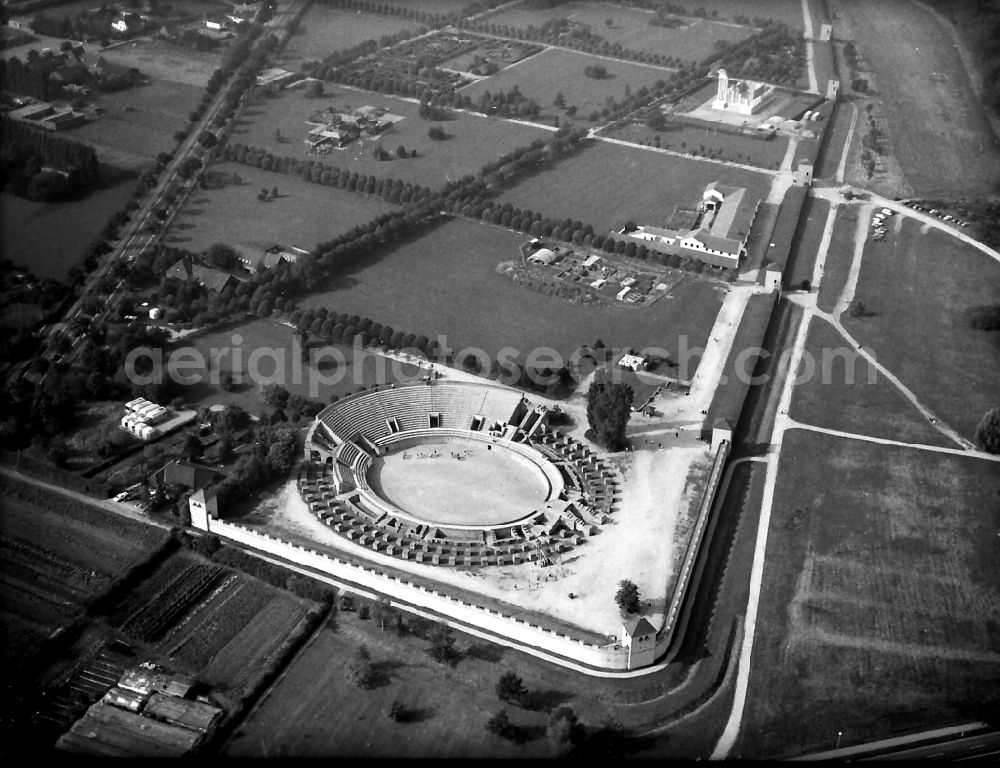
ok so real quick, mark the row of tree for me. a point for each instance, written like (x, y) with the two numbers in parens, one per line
(392, 190)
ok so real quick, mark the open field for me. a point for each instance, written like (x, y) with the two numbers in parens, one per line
(472, 141)
(631, 28)
(51, 238)
(937, 126)
(598, 186)
(405, 286)
(917, 291)
(805, 244)
(304, 213)
(324, 30)
(554, 70)
(707, 141)
(883, 608)
(839, 256)
(140, 121)
(163, 60)
(321, 380)
(846, 393)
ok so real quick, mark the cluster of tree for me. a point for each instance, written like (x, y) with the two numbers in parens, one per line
(609, 407)
(274, 449)
(595, 72)
(286, 406)
(391, 190)
(776, 54)
(512, 103)
(19, 286)
(43, 166)
(37, 412)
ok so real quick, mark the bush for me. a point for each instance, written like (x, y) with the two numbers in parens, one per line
(988, 431)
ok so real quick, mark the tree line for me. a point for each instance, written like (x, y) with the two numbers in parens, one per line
(392, 190)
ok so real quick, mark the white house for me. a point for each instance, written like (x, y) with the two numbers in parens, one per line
(633, 363)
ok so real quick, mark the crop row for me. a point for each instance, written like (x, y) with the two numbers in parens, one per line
(157, 615)
(224, 618)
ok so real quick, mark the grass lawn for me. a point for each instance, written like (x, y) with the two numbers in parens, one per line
(51, 238)
(707, 141)
(324, 30)
(326, 377)
(805, 244)
(446, 283)
(554, 70)
(919, 291)
(472, 140)
(937, 126)
(304, 213)
(314, 711)
(883, 608)
(692, 42)
(845, 397)
(140, 121)
(828, 159)
(607, 184)
(839, 256)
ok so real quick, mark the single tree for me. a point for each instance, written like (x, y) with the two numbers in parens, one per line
(442, 647)
(274, 395)
(500, 725)
(609, 407)
(510, 688)
(627, 596)
(383, 612)
(360, 671)
(564, 731)
(192, 448)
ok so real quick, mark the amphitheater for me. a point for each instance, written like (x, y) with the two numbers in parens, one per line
(455, 474)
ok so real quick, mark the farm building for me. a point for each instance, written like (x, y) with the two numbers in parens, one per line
(255, 259)
(718, 236)
(276, 78)
(186, 474)
(213, 279)
(107, 731)
(133, 701)
(47, 116)
(196, 715)
(543, 256)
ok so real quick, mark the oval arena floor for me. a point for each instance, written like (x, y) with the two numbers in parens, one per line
(484, 487)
